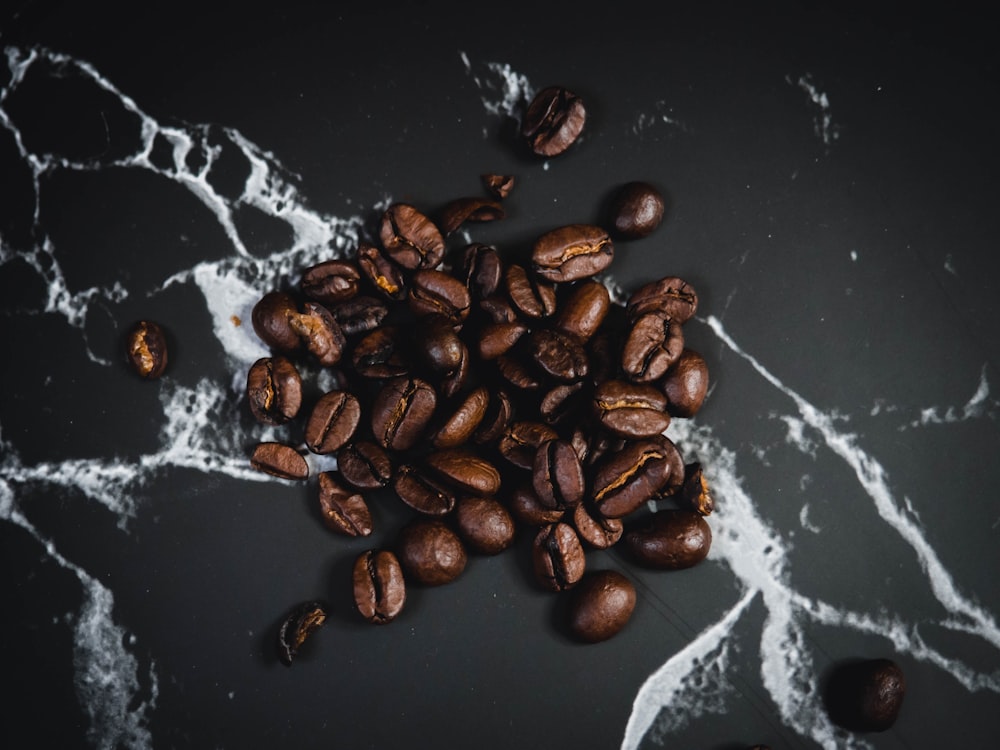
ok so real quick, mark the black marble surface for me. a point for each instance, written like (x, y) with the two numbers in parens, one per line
(831, 176)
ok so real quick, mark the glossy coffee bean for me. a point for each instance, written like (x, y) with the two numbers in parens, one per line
(631, 410)
(675, 463)
(652, 346)
(553, 121)
(686, 384)
(484, 524)
(670, 539)
(601, 605)
(528, 510)
(384, 275)
(564, 403)
(517, 370)
(498, 416)
(624, 480)
(279, 460)
(559, 355)
(146, 348)
(364, 465)
(319, 332)
(482, 270)
(271, 318)
(401, 410)
(498, 185)
(594, 529)
(381, 354)
(558, 557)
(274, 390)
(466, 470)
(331, 281)
(584, 310)
(332, 422)
(636, 210)
(866, 695)
(470, 208)
(695, 491)
(423, 492)
(410, 238)
(438, 346)
(430, 552)
(343, 510)
(460, 425)
(496, 339)
(557, 474)
(301, 622)
(670, 297)
(360, 314)
(434, 292)
(379, 586)
(531, 296)
(575, 251)
(519, 442)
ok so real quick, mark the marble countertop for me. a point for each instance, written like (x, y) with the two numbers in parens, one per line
(831, 184)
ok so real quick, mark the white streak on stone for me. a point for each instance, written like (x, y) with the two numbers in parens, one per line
(979, 405)
(823, 124)
(505, 92)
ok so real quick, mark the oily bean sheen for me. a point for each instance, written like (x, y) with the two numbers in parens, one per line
(331, 281)
(460, 425)
(601, 604)
(626, 479)
(528, 509)
(865, 695)
(631, 410)
(572, 252)
(431, 553)
(333, 421)
(596, 530)
(436, 292)
(422, 492)
(301, 622)
(379, 587)
(365, 465)
(401, 410)
(274, 390)
(557, 474)
(271, 318)
(465, 470)
(482, 269)
(383, 274)
(471, 208)
(670, 539)
(583, 312)
(410, 238)
(485, 524)
(686, 384)
(344, 511)
(636, 210)
(558, 557)
(519, 442)
(695, 492)
(558, 355)
(360, 314)
(279, 460)
(651, 348)
(553, 121)
(669, 297)
(146, 347)
(531, 295)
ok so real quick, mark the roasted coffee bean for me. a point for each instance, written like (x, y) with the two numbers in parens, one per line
(583, 312)
(636, 210)
(344, 511)
(601, 605)
(496, 339)
(575, 251)
(271, 318)
(333, 420)
(380, 354)
(559, 355)
(686, 384)
(596, 530)
(557, 474)
(670, 539)
(484, 524)
(379, 587)
(695, 492)
(453, 382)
(669, 297)
(434, 292)
(471, 208)
(279, 460)
(385, 276)
(431, 553)
(423, 492)
(520, 374)
(651, 348)
(466, 470)
(320, 333)
(360, 314)
(331, 281)
(553, 121)
(274, 390)
(365, 465)
(601, 443)
(624, 480)
(495, 421)
(146, 347)
(531, 296)
(401, 410)
(460, 425)
(562, 403)
(499, 309)
(519, 442)
(438, 345)
(499, 185)
(305, 619)
(558, 557)
(865, 695)
(675, 462)
(410, 238)
(482, 270)
(631, 410)
(528, 510)
(604, 354)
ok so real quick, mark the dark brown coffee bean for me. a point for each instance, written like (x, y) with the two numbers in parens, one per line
(438, 345)
(305, 619)
(557, 475)
(320, 332)
(519, 442)
(422, 492)
(331, 281)
(553, 121)
(531, 296)
(563, 403)
(430, 552)
(636, 210)
(434, 292)
(558, 557)
(624, 480)
(695, 491)
(675, 462)
(146, 346)
(498, 308)
(601, 605)
(523, 375)
(866, 695)
(410, 238)
(652, 346)
(601, 444)
(604, 353)
(575, 251)
(670, 539)
(596, 530)
(499, 185)
(365, 465)
(460, 425)
(344, 511)
(559, 355)
(496, 339)
(401, 410)
(380, 354)
(271, 318)
(484, 524)
(528, 510)
(360, 314)
(379, 587)
(686, 384)
(332, 421)
(499, 413)
(482, 270)
(454, 382)
(279, 460)
(669, 297)
(385, 276)
(274, 390)
(583, 312)
(466, 470)
(472, 208)
(631, 410)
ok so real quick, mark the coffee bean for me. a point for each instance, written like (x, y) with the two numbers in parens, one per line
(563, 403)
(401, 410)
(279, 460)
(460, 210)
(460, 425)
(601, 605)
(466, 470)
(557, 474)
(384, 275)
(271, 318)
(331, 281)
(438, 346)
(521, 374)
(496, 339)
(482, 269)
(422, 492)
(594, 529)
(624, 480)
(695, 492)
(333, 420)
(365, 465)
(360, 314)
(631, 410)
(865, 695)
(484, 524)
(528, 510)
(430, 552)
(558, 557)
(583, 312)
(531, 296)
(303, 620)
(686, 384)
(519, 442)
(274, 390)
(575, 251)
(380, 354)
(636, 210)
(553, 121)
(436, 292)
(499, 185)
(343, 510)
(669, 297)
(146, 347)
(495, 421)
(499, 308)
(379, 587)
(410, 238)
(670, 539)
(651, 348)
(559, 355)
(320, 333)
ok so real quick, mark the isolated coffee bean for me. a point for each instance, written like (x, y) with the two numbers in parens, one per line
(499, 185)
(344, 511)
(360, 314)
(594, 529)
(636, 210)
(553, 121)
(379, 586)
(528, 510)
(686, 384)
(434, 292)
(652, 346)
(631, 410)
(331, 281)
(271, 318)
(624, 480)
(583, 312)
(279, 460)
(364, 465)
(558, 557)
(530, 295)
(461, 424)
(410, 238)
(557, 475)
(466, 470)
(669, 297)
(305, 619)
(601, 605)
(430, 552)
(670, 539)
(424, 493)
(865, 695)
(575, 251)
(385, 275)
(401, 410)
(471, 208)
(482, 270)
(274, 390)
(381, 353)
(484, 524)
(146, 347)
(559, 355)
(333, 420)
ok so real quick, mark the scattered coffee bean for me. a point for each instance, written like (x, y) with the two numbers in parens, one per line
(331, 281)
(274, 390)
(343, 510)
(601, 604)
(866, 695)
(401, 410)
(686, 384)
(670, 539)
(147, 349)
(364, 465)
(568, 253)
(636, 210)
(279, 460)
(379, 587)
(333, 421)
(669, 297)
(422, 492)
(485, 524)
(499, 185)
(631, 410)
(410, 238)
(553, 121)
(300, 623)
(461, 210)
(431, 553)
(558, 556)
